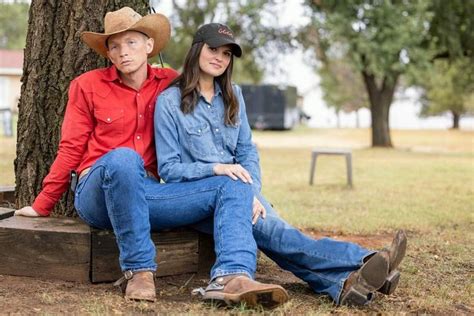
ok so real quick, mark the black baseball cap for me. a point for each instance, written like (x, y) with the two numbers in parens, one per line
(216, 35)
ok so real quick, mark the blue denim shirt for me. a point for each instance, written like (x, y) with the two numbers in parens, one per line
(189, 145)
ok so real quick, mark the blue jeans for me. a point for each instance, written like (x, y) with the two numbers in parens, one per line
(323, 263)
(117, 194)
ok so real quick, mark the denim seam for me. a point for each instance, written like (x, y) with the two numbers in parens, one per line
(152, 268)
(110, 203)
(225, 273)
(172, 196)
(218, 232)
(317, 255)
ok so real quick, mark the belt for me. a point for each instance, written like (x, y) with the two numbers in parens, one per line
(86, 171)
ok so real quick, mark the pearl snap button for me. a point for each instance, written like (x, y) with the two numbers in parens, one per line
(108, 119)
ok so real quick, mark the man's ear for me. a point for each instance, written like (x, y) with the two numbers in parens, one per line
(149, 45)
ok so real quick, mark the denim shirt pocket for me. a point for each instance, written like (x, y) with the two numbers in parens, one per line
(199, 139)
(110, 123)
(232, 136)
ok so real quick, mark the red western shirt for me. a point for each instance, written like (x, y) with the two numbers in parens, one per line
(102, 114)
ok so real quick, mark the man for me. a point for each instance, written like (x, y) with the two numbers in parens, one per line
(107, 137)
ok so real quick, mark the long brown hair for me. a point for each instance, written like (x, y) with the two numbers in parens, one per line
(188, 83)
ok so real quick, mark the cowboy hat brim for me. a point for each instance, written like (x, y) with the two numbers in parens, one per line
(155, 26)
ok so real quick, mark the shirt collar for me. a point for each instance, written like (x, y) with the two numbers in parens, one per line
(217, 88)
(217, 91)
(111, 73)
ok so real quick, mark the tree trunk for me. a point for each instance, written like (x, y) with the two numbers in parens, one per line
(456, 118)
(54, 55)
(380, 99)
(338, 118)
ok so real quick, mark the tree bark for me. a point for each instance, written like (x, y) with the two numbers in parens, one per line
(380, 98)
(456, 118)
(54, 55)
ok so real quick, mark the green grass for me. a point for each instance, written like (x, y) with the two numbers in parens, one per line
(392, 188)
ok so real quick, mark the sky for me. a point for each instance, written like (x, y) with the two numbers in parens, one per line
(296, 72)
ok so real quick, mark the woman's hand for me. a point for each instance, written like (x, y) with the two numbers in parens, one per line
(235, 171)
(258, 210)
(27, 211)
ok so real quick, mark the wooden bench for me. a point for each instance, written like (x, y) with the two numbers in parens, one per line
(329, 151)
(7, 195)
(68, 249)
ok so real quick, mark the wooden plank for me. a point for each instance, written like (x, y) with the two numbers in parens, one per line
(6, 212)
(207, 256)
(7, 195)
(177, 252)
(56, 248)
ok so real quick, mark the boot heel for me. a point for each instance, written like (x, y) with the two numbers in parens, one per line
(355, 298)
(391, 283)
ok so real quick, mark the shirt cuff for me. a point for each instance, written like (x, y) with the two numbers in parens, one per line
(206, 170)
(43, 205)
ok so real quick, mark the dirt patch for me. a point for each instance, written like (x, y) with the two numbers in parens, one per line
(375, 242)
(22, 295)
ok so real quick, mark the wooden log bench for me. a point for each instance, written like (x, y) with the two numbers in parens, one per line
(68, 249)
(7, 195)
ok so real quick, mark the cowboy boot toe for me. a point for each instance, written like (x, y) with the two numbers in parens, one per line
(141, 287)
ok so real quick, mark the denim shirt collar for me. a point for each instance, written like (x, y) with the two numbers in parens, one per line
(217, 91)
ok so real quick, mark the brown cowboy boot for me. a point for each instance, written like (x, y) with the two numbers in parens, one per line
(140, 285)
(360, 285)
(237, 288)
(396, 252)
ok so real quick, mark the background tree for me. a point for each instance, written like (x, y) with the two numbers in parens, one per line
(448, 82)
(13, 24)
(54, 55)
(382, 39)
(261, 42)
(342, 87)
(448, 87)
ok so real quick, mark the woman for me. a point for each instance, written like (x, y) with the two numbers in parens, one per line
(201, 131)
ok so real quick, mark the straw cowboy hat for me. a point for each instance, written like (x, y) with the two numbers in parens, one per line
(155, 26)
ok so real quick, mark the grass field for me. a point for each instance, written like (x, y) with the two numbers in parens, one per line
(424, 185)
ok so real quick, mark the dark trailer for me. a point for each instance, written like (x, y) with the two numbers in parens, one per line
(271, 106)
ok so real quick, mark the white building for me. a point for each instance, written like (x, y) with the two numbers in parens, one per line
(11, 67)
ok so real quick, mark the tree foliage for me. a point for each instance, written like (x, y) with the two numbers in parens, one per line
(452, 28)
(261, 42)
(13, 24)
(343, 88)
(448, 82)
(449, 87)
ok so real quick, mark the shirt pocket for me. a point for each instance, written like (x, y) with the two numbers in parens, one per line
(232, 137)
(110, 122)
(199, 139)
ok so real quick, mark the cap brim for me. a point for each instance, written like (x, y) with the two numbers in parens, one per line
(217, 42)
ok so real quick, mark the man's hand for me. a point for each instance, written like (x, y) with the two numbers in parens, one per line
(235, 171)
(26, 211)
(258, 210)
